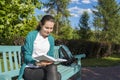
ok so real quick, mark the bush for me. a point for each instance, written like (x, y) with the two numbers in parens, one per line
(90, 48)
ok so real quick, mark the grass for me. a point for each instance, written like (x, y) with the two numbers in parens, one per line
(102, 62)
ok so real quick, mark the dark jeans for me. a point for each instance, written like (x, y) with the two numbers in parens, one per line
(43, 73)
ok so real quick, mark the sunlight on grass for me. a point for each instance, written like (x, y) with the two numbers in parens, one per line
(106, 61)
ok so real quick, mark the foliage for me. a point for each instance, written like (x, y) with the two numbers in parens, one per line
(66, 32)
(16, 18)
(107, 21)
(76, 34)
(84, 31)
(92, 49)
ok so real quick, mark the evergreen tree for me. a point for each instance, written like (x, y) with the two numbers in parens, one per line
(84, 26)
(107, 20)
(66, 31)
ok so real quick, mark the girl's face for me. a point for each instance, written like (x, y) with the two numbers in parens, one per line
(47, 28)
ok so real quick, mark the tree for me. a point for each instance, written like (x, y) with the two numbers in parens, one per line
(84, 26)
(107, 20)
(15, 16)
(58, 8)
(66, 31)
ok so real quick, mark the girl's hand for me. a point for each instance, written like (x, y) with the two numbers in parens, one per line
(44, 63)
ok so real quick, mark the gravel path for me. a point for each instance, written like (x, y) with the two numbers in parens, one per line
(101, 73)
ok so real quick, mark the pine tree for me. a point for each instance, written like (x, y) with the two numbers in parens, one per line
(84, 26)
(107, 20)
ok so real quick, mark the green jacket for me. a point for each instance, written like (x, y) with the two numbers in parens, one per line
(28, 50)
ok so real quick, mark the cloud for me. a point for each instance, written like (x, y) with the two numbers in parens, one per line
(44, 9)
(76, 11)
(73, 14)
(86, 1)
(75, 1)
(87, 10)
(95, 0)
(74, 8)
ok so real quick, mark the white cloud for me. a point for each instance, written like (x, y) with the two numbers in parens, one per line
(86, 1)
(74, 15)
(76, 11)
(87, 10)
(44, 9)
(74, 8)
(75, 1)
(95, 0)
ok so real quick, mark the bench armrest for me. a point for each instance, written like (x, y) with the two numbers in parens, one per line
(79, 57)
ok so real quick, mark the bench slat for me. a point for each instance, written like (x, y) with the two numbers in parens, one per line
(66, 71)
(5, 62)
(56, 48)
(10, 61)
(19, 58)
(0, 65)
(15, 59)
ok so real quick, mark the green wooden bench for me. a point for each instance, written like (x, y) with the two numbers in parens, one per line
(10, 60)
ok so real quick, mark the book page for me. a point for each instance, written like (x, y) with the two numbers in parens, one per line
(49, 58)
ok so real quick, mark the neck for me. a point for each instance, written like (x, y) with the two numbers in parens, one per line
(42, 34)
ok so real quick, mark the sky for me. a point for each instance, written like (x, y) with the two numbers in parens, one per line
(76, 8)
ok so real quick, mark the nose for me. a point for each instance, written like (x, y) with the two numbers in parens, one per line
(49, 30)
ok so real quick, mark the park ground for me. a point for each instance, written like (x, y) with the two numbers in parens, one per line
(101, 73)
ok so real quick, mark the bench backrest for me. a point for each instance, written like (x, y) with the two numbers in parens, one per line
(10, 60)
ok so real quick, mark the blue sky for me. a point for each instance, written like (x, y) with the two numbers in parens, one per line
(76, 8)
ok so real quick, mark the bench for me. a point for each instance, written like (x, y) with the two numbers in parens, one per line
(10, 60)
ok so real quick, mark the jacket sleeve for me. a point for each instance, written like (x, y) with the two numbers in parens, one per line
(28, 49)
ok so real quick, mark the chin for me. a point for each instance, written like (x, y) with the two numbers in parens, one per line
(47, 35)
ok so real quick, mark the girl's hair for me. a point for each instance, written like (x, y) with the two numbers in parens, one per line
(44, 19)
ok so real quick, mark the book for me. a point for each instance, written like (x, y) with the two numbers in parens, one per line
(49, 58)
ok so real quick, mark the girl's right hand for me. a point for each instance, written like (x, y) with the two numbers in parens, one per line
(44, 63)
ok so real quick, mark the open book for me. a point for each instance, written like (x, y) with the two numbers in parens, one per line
(49, 58)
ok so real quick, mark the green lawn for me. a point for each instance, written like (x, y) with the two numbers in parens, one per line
(106, 61)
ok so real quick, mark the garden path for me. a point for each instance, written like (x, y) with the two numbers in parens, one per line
(101, 73)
